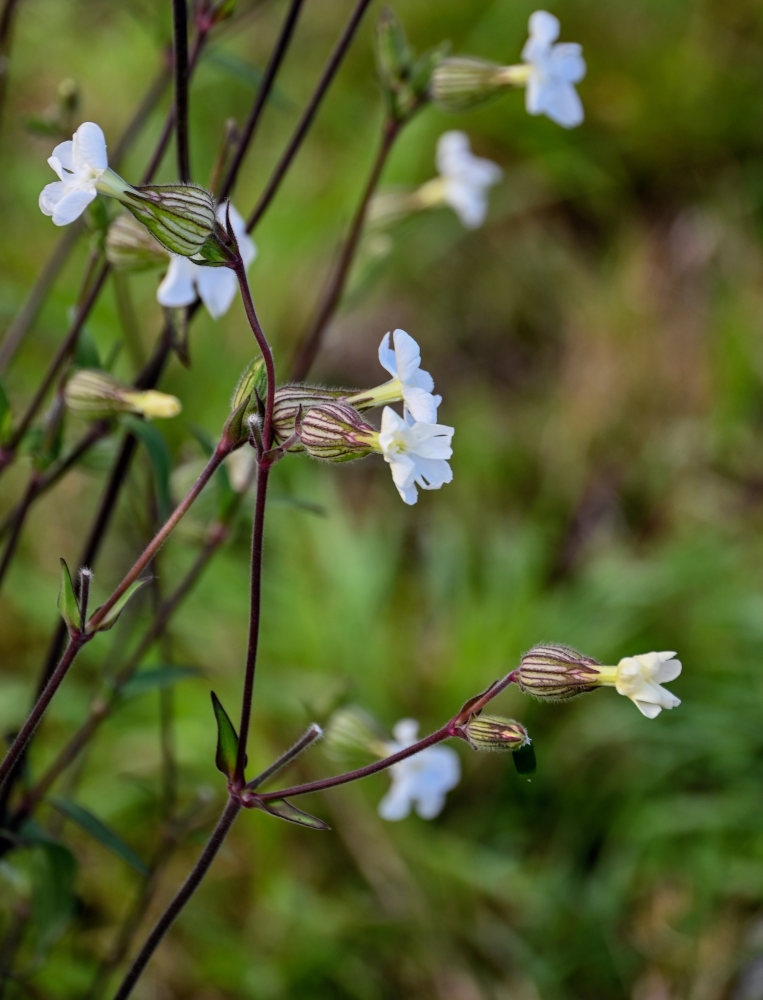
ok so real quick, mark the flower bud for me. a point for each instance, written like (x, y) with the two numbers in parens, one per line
(353, 738)
(181, 216)
(96, 395)
(291, 400)
(131, 247)
(492, 732)
(460, 83)
(335, 432)
(253, 383)
(556, 672)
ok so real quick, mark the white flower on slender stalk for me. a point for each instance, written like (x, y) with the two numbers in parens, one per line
(640, 678)
(420, 782)
(554, 69)
(463, 183)
(409, 382)
(215, 286)
(416, 452)
(467, 178)
(83, 169)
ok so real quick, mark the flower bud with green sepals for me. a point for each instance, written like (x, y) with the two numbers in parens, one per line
(460, 83)
(131, 247)
(291, 404)
(180, 216)
(493, 732)
(96, 395)
(555, 672)
(335, 432)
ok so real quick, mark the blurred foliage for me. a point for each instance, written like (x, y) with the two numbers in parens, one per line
(598, 347)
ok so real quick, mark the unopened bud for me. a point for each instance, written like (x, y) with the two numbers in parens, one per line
(335, 432)
(556, 672)
(460, 83)
(292, 402)
(491, 732)
(253, 383)
(96, 395)
(393, 54)
(353, 738)
(131, 247)
(181, 216)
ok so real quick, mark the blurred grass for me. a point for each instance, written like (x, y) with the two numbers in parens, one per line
(598, 348)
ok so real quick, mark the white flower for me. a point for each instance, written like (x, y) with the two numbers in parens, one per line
(639, 677)
(417, 453)
(467, 178)
(420, 782)
(216, 286)
(83, 168)
(553, 71)
(409, 380)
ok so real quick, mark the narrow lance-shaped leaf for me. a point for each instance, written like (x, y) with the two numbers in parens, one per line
(158, 455)
(99, 831)
(285, 810)
(227, 740)
(111, 618)
(67, 603)
(156, 679)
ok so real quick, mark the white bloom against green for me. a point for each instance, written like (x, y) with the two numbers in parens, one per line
(553, 71)
(421, 782)
(416, 452)
(466, 178)
(215, 286)
(640, 678)
(83, 169)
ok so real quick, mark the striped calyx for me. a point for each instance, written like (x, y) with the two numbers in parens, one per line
(492, 732)
(96, 395)
(180, 216)
(460, 83)
(335, 432)
(556, 672)
(292, 403)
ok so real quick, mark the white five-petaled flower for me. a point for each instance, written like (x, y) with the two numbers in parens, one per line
(639, 678)
(553, 72)
(467, 178)
(216, 286)
(409, 380)
(419, 782)
(83, 169)
(416, 452)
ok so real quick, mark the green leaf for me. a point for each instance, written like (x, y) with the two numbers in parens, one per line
(53, 870)
(159, 457)
(67, 602)
(85, 352)
(111, 618)
(524, 759)
(285, 810)
(99, 831)
(155, 679)
(227, 740)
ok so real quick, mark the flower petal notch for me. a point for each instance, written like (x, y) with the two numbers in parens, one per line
(416, 452)
(421, 782)
(554, 69)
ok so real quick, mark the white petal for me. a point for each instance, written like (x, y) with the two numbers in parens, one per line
(451, 147)
(421, 404)
(432, 473)
(50, 196)
(534, 96)
(407, 355)
(406, 731)
(468, 202)
(544, 27)
(563, 106)
(430, 803)
(567, 63)
(669, 668)
(648, 709)
(396, 804)
(178, 287)
(71, 206)
(387, 356)
(90, 146)
(217, 289)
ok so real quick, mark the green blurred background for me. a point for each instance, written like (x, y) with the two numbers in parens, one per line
(598, 347)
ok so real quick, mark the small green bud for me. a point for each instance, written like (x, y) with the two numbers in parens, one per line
(181, 216)
(393, 54)
(293, 400)
(492, 732)
(556, 672)
(459, 83)
(253, 383)
(131, 247)
(96, 395)
(335, 432)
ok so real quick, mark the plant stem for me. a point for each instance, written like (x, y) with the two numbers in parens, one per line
(185, 892)
(305, 121)
(311, 341)
(180, 62)
(38, 710)
(263, 93)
